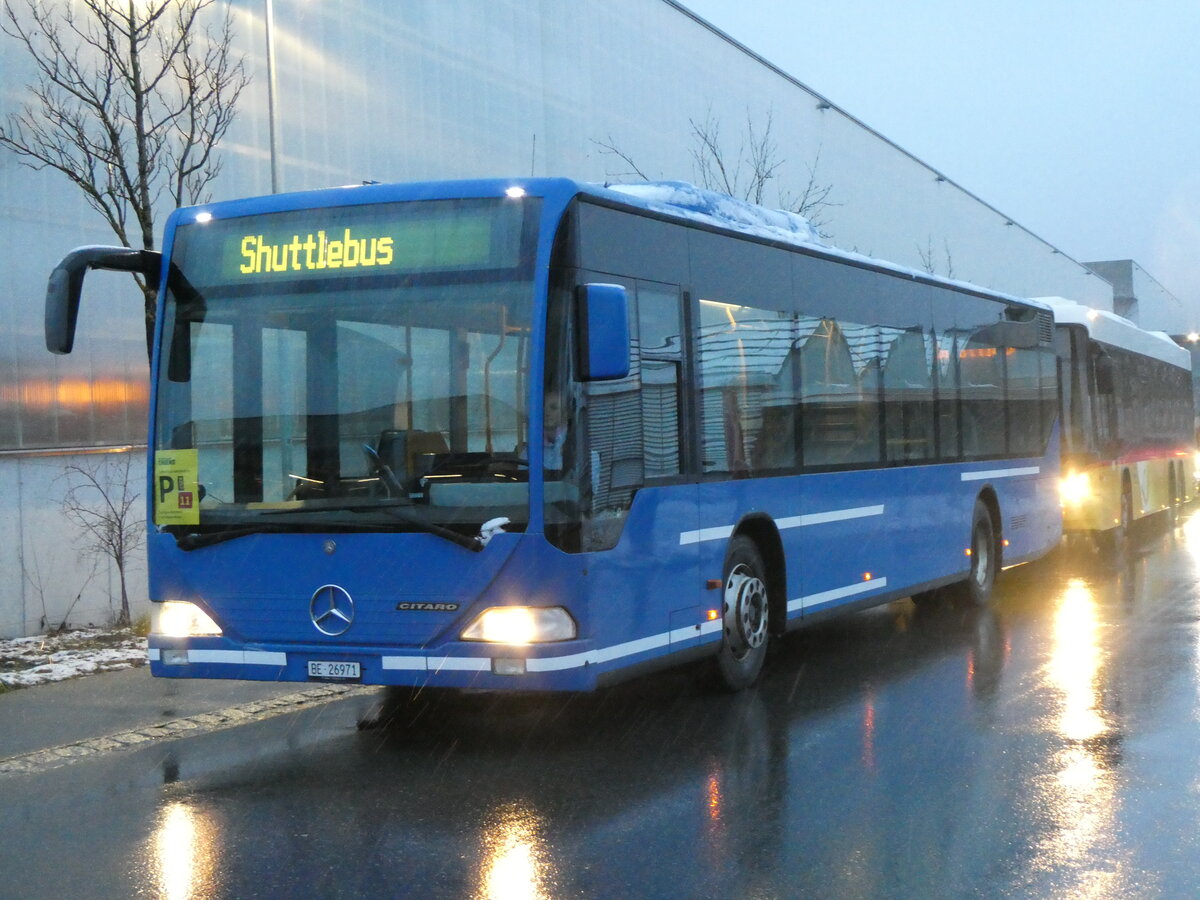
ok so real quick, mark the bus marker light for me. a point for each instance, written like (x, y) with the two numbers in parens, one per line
(967, 551)
(866, 576)
(712, 615)
(508, 666)
(515, 192)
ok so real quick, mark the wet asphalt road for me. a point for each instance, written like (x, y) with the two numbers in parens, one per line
(1048, 746)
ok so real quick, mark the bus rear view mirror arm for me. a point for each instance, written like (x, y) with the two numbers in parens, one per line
(66, 286)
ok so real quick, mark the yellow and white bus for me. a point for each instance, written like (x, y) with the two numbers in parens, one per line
(1127, 422)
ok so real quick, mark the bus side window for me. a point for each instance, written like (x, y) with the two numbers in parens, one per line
(982, 368)
(908, 396)
(840, 409)
(1024, 395)
(747, 373)
(660, 346)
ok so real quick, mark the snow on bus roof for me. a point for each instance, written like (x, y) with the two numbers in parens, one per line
(681, 199)
(1117, 331)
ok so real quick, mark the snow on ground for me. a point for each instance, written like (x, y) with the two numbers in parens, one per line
(42, 659)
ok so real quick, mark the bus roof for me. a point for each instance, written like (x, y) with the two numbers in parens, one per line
(671, 199)
(1116, 331)
(681, 200)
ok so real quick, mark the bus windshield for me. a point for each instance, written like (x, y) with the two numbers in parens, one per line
(359, 367)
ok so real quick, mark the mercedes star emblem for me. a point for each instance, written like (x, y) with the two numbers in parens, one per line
(331, 610)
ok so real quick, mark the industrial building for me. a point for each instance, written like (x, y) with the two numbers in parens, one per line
(352, 91)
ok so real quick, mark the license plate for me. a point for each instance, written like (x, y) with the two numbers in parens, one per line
(338, 671)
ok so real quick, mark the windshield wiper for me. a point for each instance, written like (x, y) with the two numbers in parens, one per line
(471, 542)
(197, 539)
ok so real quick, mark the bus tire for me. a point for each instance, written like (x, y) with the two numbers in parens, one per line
(1121, 535)
(1172, 496)
(745, 613)
(976, 590)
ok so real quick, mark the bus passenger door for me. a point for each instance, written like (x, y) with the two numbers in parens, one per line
(664, 369)
(636, 460)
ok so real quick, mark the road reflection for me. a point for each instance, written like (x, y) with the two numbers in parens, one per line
(515, 863)
(1079, 852)
(904, 751)
(1075, 662)
(185, 853)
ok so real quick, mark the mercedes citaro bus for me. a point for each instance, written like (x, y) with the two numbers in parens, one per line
(534, 434)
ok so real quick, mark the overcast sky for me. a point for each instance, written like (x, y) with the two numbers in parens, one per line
(1080, 120)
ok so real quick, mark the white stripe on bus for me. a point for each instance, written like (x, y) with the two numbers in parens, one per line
(238, 657)
(989, 474)
(850, 590)
(535, 663)
(821, 518)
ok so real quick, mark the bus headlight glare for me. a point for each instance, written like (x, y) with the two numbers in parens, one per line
(521, 625)
(174, 618)
(1075, 488)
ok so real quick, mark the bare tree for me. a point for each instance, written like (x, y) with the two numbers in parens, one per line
(743, 173)
(130, 100)
(609, 147)
(929, 263)
(101, 501)
(926, 253)
(813, 200)
(31, 571)
(743, 169)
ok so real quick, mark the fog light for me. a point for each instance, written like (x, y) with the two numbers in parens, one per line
(521, 625)
(174, 618)
(508, 666)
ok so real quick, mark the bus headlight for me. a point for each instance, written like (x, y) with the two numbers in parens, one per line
(521, 625)
(1075, 488)
(174, 618)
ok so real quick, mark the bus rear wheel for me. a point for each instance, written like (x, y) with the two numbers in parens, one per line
(977, 589)
(744, 616)
(1174, 481)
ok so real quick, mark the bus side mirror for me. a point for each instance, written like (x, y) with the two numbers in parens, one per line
(66, 286)
(604, 331)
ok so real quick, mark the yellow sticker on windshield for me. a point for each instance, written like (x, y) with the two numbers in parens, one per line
(176, 479)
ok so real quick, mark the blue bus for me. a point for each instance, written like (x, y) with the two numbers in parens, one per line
(535, 434)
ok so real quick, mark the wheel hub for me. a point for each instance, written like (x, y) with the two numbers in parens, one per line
(982, 560)
(745, 610)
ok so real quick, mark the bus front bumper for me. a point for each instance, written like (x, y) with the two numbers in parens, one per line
(562, 666)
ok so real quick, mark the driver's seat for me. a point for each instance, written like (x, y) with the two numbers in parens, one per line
(399, 450)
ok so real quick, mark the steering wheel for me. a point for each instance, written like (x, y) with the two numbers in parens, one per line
(387, 477)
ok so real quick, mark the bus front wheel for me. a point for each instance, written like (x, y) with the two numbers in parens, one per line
(744, 616)
(1119, 537)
